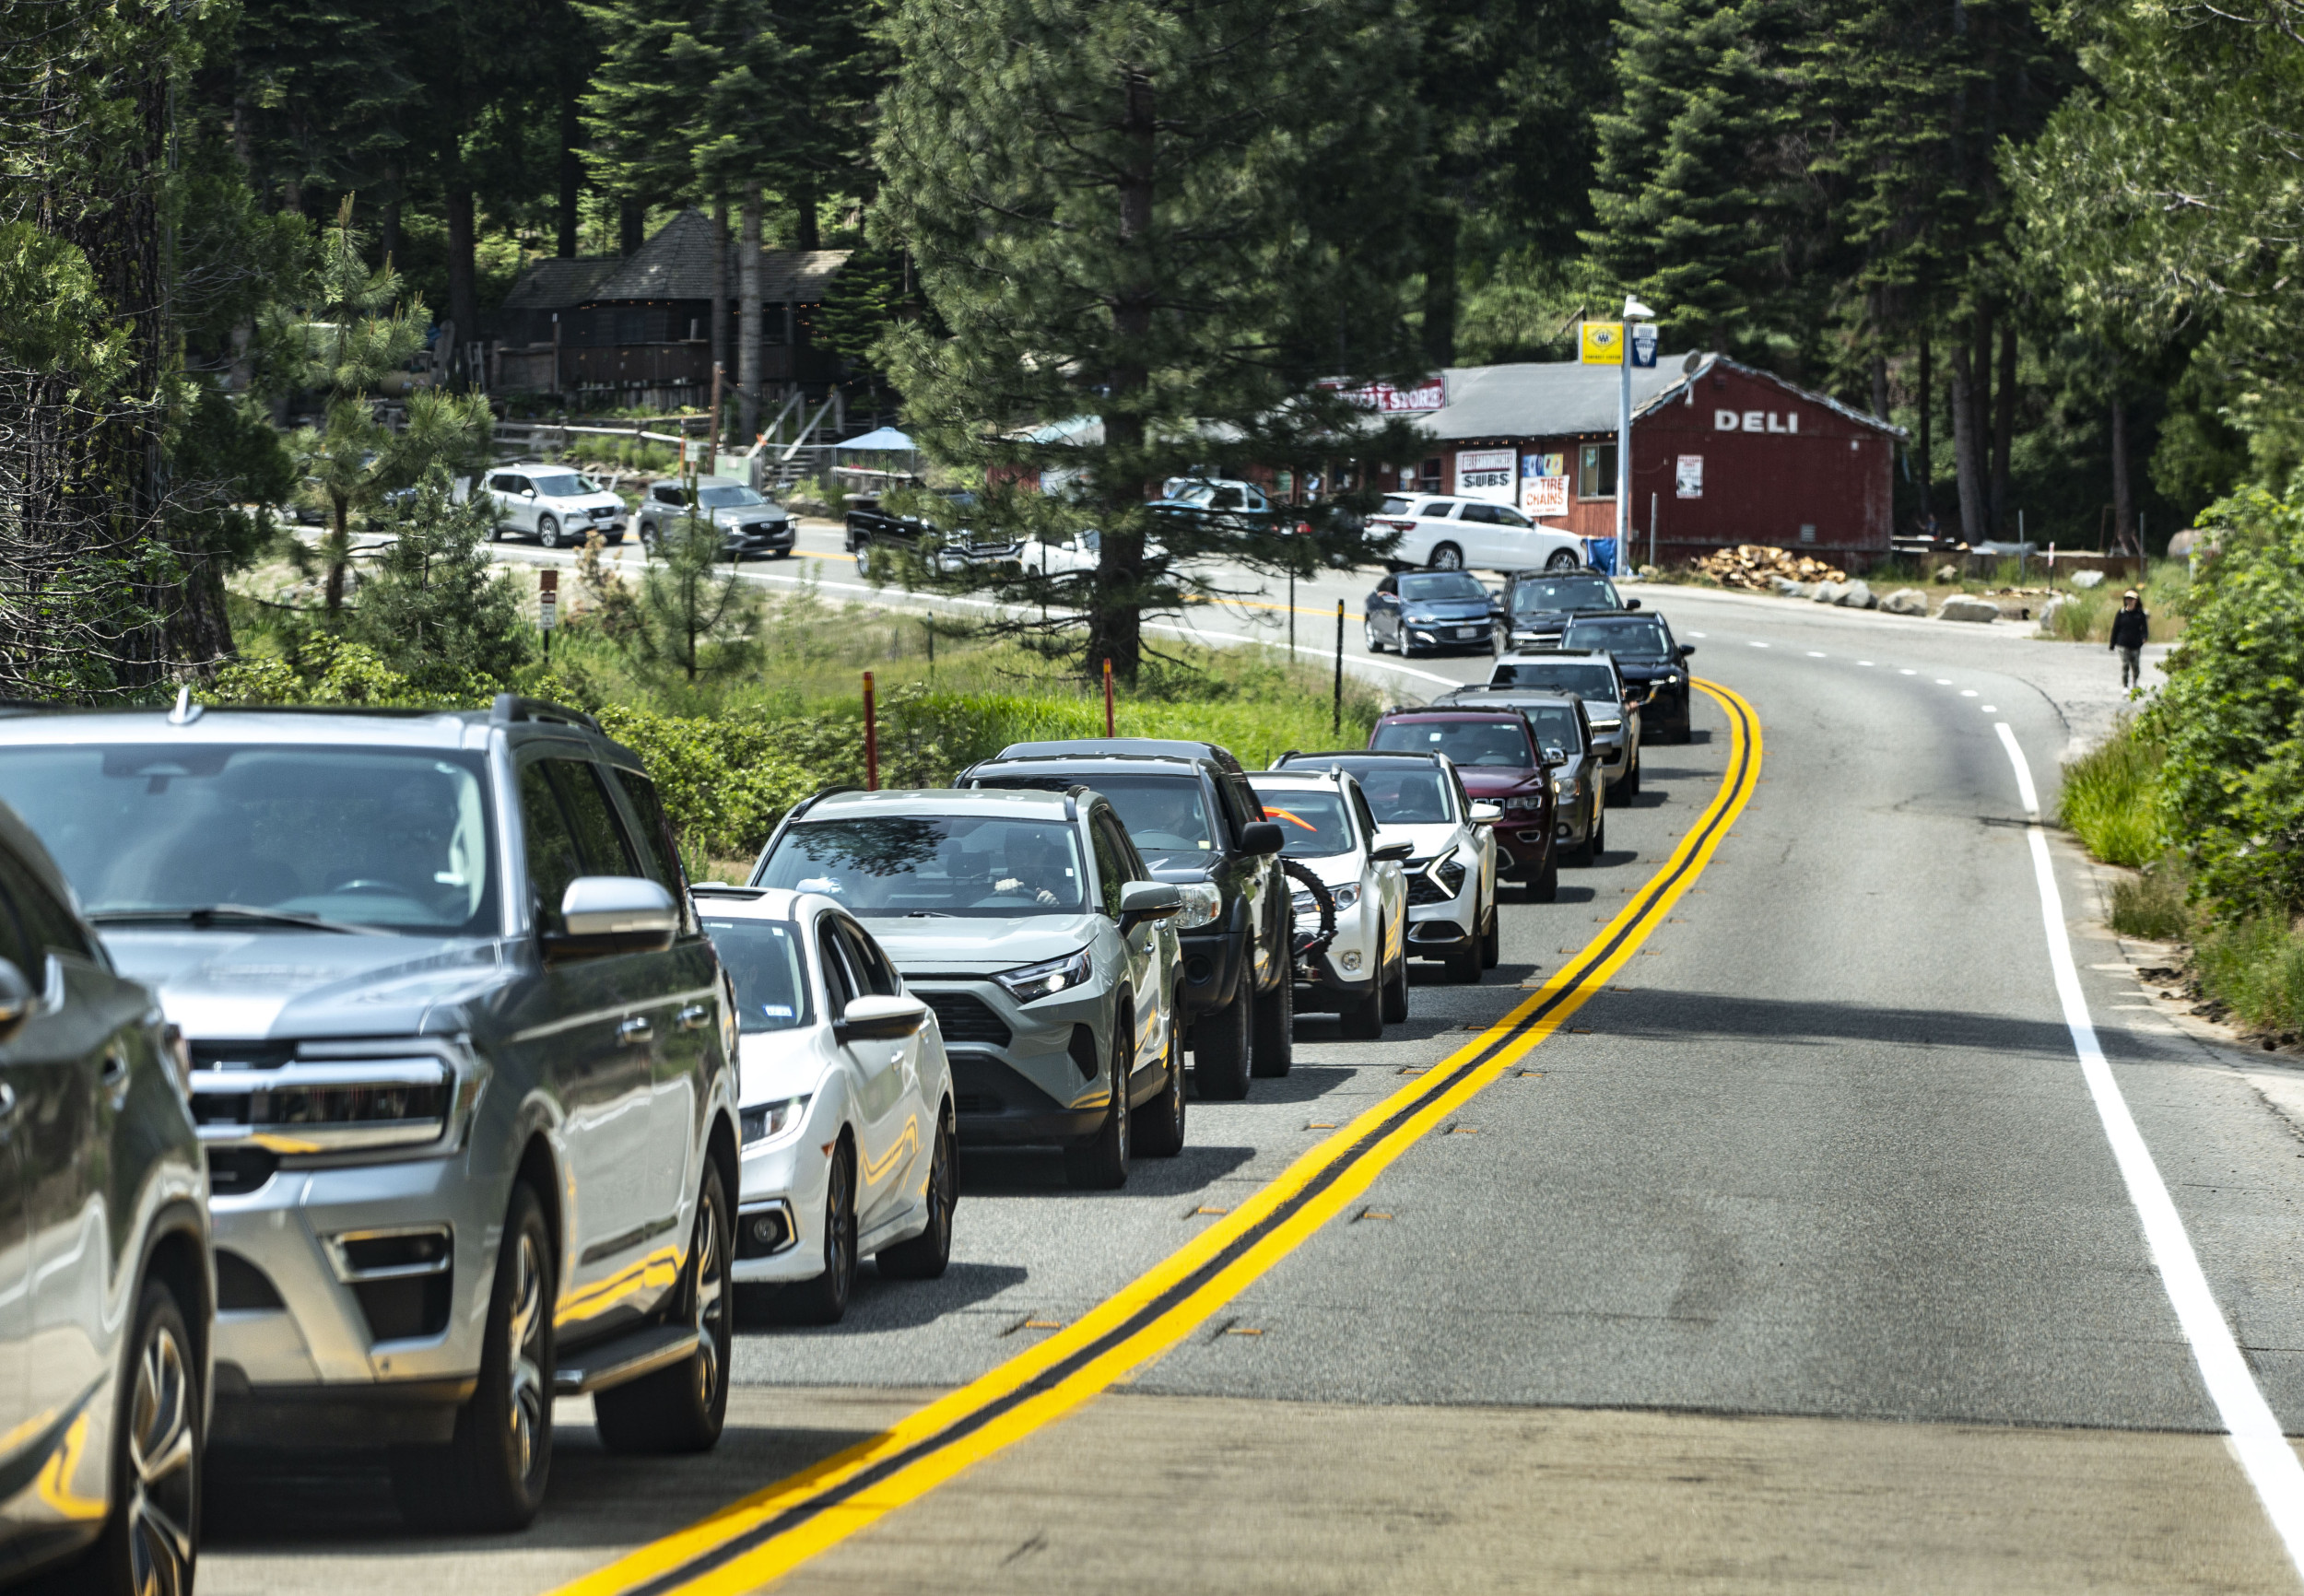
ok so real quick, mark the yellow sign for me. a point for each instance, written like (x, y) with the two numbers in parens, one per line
(1604, 343)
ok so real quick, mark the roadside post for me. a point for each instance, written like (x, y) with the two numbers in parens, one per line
(548, 606)
(1640, 349)
(1651, 528)
(1335, 715)
(1107, 698)
(871, 740)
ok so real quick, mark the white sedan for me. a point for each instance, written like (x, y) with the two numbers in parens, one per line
(1327, 828)
(846, 1100)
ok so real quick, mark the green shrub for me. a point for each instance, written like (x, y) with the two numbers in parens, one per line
(2255, 968)
(2083, 617)
(2151, 904)
(2111, 798)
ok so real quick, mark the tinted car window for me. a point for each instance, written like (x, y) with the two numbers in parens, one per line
(1442, 584)
(592, 819)
(1311, 820)
(1586, 681)
(1393, 506)
(1112, 863)
(507, 484)
(927, 864)
(1640, 636)
(762, 957)
(659, 858)
(869, 965)
(1411, 796)
(1471, 744)
(842, 984)
(1166, 815)
(1566, 592)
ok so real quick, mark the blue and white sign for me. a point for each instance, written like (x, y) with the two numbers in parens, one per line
(1644, 343)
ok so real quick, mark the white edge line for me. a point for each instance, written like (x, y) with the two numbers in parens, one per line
(2263, 1452)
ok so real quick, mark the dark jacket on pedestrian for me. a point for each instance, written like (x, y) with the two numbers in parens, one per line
(2131, 627)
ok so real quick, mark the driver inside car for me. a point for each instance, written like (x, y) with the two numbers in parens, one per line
(1038, 867)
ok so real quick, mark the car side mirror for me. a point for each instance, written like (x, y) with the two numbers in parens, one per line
(1687, 648)
(610, 914)
(1385, 852)
(1631, 603)
(1555, 757)
(1262, 836)
(527, 493)
(17, 998)
(1487, 814)
(1141, 901)
(873, 1018)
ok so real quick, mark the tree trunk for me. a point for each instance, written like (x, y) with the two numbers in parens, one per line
(1115, 620)
(572, 167)
(803, 216)
(389, 236)
(1926, 443)
(2003, 428)
(631, 226)
(1880, 384)
(749, 327)
(1966, 457)
(1439, 287)
(720, 288)
(1980, 425)
(463, 298)
(2123, 501)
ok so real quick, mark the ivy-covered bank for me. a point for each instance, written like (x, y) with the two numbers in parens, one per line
(2201, 794)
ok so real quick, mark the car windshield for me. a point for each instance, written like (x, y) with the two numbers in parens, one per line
(727, 497)
(762, 957)
(891, 865)
(1492, 745)
(1166, 816)
(1311, 820)
(1405, 794)
(567, 485)
(1428, 586)
(1565, 593)
(1555, 726)
(395, 840)
(1637, 635)
(1586, 681)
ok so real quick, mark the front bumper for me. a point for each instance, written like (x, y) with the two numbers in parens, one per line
(1348, 966)
(1525, 838)
(1439, 928)
(784, 1182)
(1442, 636)
(1211, 964)
(1046, 1081)
(748, 542)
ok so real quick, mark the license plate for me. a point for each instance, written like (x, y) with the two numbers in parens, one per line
(1467, 631)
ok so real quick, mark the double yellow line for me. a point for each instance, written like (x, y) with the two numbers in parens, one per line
(766, 1534)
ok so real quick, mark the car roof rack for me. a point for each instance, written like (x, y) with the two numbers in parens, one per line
(511, 708)
(821, 794)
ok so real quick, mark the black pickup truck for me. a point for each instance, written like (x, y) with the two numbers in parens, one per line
(872, 532)
(1190, 812)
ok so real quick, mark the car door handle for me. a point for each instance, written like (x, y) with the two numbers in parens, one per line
(639, 1029)
(695, 1017)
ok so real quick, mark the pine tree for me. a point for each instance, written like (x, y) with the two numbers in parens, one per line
(692, 618)
(435, 606)
(1156, 217)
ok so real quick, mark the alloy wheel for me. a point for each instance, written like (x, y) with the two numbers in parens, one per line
(524, 1365)
(711, 1297)
(162, 1463)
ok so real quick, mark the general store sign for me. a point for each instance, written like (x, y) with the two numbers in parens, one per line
(1387, 400)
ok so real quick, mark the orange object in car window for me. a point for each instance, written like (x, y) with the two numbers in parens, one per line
(1291, 819)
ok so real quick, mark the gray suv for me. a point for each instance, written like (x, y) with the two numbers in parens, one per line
(106, 1289)
(459, 1053)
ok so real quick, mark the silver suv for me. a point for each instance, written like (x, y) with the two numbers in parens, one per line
(748, 522)
(459, 1053)
(1026, 921)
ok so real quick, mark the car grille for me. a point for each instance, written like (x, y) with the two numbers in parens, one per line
(965, 1017)
(1422, 888)
(605, 513)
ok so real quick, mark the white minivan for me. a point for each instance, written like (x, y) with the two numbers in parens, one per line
(1449, 534)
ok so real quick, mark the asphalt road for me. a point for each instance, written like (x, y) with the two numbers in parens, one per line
(1799, 1257)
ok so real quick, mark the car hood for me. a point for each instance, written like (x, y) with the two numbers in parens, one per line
(1644, 670)
(582, 501)
(1336, 869)
(1445, 610)
(1429, 838)
(776, 1064)
(981, 947)
(1494, 782)
(744, 515)
(256, 983)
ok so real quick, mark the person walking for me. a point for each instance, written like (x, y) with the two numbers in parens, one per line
(2131, 626)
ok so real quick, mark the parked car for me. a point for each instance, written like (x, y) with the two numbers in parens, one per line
(1026, 921)
(553, 504)
(831, 1052)
(1362, 975)
(748, 524)
(1429, 612)
(1220, 503)
(1496, 753)
(1539, 605)
(1652, 663)
(107, 1281)
(873, 531)
(1611, 708)
(1564, 732)
(1449, 533)
(460, 1059)
(1188, 809)
(1451, 869)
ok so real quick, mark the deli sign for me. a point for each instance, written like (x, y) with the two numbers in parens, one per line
(1784, 421)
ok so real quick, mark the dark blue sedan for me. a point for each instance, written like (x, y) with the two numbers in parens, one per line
(1429, 612)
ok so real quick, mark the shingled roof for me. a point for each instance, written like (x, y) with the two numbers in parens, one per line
(674, 264)
(557, 284)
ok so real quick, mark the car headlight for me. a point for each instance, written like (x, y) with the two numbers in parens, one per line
(1525, 803)
(1568, 787)
(331, 1099)
(766, 1121)
(1030, 982)
(1203, 902)
(1607, 725)
(1345, 898)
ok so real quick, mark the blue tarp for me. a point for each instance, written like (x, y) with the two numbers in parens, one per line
(885, 438)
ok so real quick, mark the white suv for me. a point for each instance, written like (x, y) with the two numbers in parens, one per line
(1458, 534)
(558, 505)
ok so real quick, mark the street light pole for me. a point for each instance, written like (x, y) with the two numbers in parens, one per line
(1633, 311)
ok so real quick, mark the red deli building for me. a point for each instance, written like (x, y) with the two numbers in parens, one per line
(1722, 454)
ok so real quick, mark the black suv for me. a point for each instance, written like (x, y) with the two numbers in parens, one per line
(871, 531)
(1539, 605)
(1648, 660)
(1189, 810)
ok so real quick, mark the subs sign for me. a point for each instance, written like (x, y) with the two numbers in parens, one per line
(1787, 421)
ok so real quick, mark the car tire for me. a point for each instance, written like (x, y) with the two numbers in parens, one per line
(151, 1542)
(1363, 1018)
(1464, 964)
(549, 530)
(1563, 559)
(1273, 1048)
(1492, 939)
(1368, 634)
(682, 1409)
(1545, 887)
(1099, 1162)
(1395, 991)
(926, 1255)
(1160, 1129)
(1446, 557)
(824, 1300)
(863, 560)
(1633, 779)
(496, 532)
(490, 1476)
(1219, 1048)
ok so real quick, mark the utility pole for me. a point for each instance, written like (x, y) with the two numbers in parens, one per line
(1641, 351)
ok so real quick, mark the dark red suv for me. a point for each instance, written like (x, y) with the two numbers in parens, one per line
(1496, 753)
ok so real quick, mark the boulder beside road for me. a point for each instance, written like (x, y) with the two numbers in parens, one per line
(1857, 595)
(1963, 606)
(1906, 600)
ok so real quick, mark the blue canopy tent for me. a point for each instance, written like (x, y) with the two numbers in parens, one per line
(881, 447)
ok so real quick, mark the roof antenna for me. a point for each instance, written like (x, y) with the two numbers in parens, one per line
(186, 712)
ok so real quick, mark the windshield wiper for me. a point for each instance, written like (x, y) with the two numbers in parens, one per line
(236, 913)
(927, 914)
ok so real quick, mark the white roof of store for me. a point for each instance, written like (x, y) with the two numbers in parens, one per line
(1562, 398)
